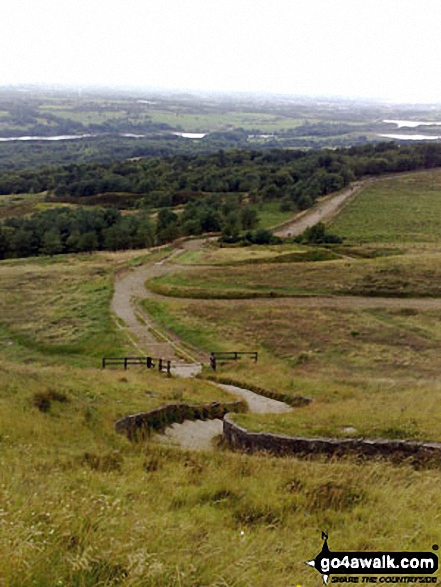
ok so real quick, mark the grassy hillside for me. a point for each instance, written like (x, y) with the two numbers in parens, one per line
(82, 506)
(400, 276)
(401, 210)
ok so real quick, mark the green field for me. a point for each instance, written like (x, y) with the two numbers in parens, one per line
(402, 210)
(270, 214)
(221, 121)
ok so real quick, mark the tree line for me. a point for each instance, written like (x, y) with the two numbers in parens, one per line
(75, 230)
(294, 176)
(216, 192)
(67, 230)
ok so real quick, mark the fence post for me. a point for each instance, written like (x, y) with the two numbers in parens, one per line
(160, 365)
(104, 364)
(168, 368)
(255, 357)
(125, 363)
(213, 362)
(149, 362)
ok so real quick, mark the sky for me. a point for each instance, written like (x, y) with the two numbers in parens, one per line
(381, 49)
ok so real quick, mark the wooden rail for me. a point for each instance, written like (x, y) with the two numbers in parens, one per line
(230, 356)
(149, 362)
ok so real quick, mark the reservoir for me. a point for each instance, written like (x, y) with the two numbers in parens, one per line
(54, 138)
(411, 123)
(412, 137)
(191, 135)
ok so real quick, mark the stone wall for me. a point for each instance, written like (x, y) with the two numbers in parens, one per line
(138, 426)
(280, 445)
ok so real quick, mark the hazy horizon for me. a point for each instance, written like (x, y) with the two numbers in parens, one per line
(348, 49)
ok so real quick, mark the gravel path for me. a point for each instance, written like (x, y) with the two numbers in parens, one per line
(324, 210)
(129, 289)
(257, 404)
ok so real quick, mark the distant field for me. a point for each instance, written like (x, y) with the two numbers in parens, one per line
(87, 116)
(399, 210)
(218, 121)
(177, 118)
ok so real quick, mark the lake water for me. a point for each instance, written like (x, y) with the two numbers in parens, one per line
(191, 135)
(411, 123)
(186, 135)
(412, 137)
(55, 138)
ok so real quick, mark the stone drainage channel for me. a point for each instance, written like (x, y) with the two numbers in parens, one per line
(199, 434)
(128, 291)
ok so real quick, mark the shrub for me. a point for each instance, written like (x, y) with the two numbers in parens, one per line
(42, 399)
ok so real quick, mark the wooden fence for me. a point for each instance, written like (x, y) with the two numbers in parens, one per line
(230, 356)
(149, 362)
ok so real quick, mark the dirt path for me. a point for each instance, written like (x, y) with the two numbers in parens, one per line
(323, 211)
(129, 289)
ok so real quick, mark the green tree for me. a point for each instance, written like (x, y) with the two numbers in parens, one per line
(51, 243)
(88, 242)
(248, 218)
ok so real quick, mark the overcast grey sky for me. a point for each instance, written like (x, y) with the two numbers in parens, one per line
(390, 49)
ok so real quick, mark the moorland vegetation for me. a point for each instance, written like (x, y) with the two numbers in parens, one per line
(355, 326)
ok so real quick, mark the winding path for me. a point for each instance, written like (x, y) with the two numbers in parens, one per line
(130, 289)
